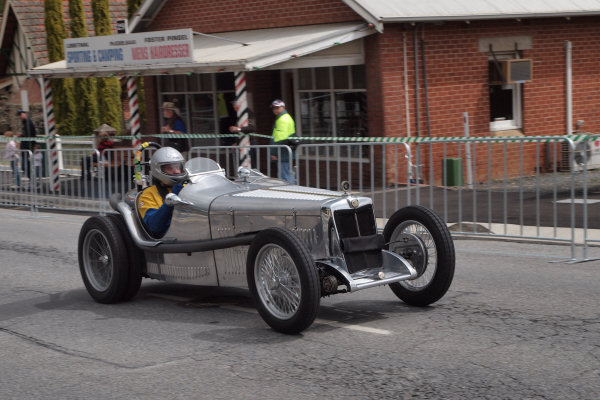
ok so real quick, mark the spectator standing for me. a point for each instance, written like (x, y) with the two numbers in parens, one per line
(104, 142)
(11, 153)
(37, 163)
(283, 129)
(28, 131)
(173, 124)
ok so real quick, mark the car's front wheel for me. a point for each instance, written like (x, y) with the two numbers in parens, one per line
(283, 280)
(103, 260)
(420, 236)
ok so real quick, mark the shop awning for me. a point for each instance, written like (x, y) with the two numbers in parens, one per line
(231, 51)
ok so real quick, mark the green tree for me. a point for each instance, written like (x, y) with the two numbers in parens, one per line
(109, 89)
(62, 89)
(132, 6)
(85, 88)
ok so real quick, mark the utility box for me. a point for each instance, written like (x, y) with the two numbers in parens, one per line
(452, 173)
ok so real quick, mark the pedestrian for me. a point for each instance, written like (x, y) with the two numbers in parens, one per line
(37, 163)
(283, 129)
(11, 153)
(104, 142)
(173, 124)
(28, 131)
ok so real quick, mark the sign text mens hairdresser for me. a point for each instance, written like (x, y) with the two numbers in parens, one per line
(159, 47)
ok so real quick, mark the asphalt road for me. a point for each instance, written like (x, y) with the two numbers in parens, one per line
(513, 326)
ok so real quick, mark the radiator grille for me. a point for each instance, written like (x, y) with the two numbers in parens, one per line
(355, 222)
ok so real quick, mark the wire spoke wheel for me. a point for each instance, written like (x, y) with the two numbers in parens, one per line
(430, 259)
(278, 282)
(98, 260)
(104, 261)
(421, 237)
(283, 280)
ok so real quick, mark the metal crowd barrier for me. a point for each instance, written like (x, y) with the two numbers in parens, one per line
(524, 188)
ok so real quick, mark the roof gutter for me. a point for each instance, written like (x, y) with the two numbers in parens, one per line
(473, 17)
(365, 14)
(140, 15)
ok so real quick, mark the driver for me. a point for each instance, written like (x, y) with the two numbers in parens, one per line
(168, 175)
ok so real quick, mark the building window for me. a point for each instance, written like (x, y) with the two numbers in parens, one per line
(505, 98)
(332, 102)
(200, 99)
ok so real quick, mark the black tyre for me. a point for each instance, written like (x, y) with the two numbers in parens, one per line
(420, 236)
(283, 280)
(136, 259)
(103, 260)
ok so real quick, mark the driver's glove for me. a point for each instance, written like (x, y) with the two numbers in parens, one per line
(177, 188)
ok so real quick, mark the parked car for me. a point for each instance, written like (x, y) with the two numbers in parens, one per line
(289, 245)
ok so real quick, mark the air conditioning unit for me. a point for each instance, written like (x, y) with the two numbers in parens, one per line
(587, 153)
(517, 70)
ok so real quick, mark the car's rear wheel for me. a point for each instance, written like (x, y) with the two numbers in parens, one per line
(420, 236)
(283, 280)
(136, 259)
(103, 260)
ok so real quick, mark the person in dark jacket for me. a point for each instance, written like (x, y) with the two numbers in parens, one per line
(173, 124)
(28, 131)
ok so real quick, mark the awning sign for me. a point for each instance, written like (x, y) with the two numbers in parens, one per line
(161, 47)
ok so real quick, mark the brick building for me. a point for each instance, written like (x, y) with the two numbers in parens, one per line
(392, 69)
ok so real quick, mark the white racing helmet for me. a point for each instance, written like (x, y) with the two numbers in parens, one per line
(160, 162)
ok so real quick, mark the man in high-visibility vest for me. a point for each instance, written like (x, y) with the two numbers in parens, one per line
(283, 129)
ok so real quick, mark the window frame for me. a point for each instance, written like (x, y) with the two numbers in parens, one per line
(517, 102)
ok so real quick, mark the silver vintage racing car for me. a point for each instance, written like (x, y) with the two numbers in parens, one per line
(289, 245)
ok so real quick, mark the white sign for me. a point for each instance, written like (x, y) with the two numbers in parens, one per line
(161, 47)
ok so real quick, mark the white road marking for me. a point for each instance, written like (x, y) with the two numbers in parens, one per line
(335, 324)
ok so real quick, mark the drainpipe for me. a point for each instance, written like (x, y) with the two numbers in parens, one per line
(406, 101)
(569, 88)
(425, 89)
(417, 100)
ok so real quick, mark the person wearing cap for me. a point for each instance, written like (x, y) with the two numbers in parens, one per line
(283, 129)
(173, 124)
(28, 131)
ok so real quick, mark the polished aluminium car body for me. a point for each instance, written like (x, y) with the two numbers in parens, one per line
(212, 207)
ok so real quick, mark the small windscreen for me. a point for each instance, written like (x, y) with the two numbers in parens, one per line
(199, 165)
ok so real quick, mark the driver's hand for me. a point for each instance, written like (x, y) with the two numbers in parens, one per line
(177, 188)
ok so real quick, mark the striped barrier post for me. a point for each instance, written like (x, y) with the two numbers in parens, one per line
(134, 110)
(241, 108)
(50, 127)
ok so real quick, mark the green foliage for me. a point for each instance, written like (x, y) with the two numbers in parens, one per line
(132, 6)
(87, 106)
(78, 28)
(86, 119)
(101, 14)
(109, 89)
(62, 89)
(109, 103)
